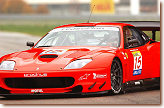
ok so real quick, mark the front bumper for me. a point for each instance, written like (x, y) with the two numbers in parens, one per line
(85, 81)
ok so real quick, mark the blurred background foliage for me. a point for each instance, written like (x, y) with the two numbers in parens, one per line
(20, 7)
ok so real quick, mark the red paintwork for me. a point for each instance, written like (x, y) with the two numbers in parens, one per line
(28, 61)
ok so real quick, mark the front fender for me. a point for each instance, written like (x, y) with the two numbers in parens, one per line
(8, 56)
(124, 61)
(103, 60)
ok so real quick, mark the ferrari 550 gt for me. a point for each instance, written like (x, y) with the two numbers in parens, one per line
(82, 58)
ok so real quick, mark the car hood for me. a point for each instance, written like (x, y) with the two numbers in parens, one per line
(54, 58)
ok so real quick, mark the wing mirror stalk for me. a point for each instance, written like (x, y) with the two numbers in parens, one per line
(152, 41)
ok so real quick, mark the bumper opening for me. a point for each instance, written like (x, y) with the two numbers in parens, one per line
(77, 89)
(3, 91)
(49, 82)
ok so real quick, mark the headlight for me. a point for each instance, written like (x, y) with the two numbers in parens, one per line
(78, 64)
(7, 65)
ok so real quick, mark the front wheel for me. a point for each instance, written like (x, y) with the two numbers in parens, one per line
(116, 76)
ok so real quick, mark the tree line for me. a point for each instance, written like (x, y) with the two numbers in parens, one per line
(20, 7)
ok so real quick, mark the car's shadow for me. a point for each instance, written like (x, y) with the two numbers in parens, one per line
(129, 91)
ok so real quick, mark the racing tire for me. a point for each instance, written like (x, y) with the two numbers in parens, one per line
(116, 77)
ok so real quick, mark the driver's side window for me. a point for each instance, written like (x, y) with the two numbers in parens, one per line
(131, 37)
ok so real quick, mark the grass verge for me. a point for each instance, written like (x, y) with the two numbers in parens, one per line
(38, 30)
(41, 30)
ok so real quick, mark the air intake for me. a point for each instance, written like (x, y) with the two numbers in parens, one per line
(48, 56)
(49, 82)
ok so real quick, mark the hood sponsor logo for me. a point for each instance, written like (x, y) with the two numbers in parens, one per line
(54, 51)
(36, 91)
(36, 75)
(84, 77)
(95, 76)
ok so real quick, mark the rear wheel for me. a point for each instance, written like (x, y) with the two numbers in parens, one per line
(116, 76)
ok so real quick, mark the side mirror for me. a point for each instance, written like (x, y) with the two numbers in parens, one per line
(30, 44)
(152, 41)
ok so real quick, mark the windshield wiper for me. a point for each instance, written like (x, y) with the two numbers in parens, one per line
(44, 46)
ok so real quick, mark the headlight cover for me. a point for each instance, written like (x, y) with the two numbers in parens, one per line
(7, 65)
(78, 64)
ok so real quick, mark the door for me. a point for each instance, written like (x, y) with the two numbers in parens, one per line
(139, 62)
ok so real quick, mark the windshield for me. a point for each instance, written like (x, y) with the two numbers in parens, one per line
(81, 36)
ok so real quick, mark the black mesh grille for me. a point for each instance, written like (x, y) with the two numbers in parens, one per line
(55, 82)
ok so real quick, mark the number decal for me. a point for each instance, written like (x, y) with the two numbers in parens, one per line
(137, 63)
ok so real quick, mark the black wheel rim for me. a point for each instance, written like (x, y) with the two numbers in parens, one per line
(116, 76)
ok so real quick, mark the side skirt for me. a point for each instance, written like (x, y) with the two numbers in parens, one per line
(150, 82)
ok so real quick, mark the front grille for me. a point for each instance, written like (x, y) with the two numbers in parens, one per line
(50, 82)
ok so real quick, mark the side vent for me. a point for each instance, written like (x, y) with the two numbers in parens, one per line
(102, 85)
(92, 86)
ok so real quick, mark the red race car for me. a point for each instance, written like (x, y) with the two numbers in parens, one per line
(83, 58)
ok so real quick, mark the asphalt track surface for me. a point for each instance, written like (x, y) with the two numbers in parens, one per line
(13, 42)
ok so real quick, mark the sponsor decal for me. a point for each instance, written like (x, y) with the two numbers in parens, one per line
(36, 75)
(89, 28)
(83, 28)
(133, 50)
(137, 69)
(126, 55)
(95, 76)
(36, 91)
(54, 51)
(84, 77)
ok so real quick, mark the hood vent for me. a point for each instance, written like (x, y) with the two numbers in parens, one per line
(48, 56)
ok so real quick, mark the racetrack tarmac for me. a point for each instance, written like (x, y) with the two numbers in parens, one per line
(13, 42)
